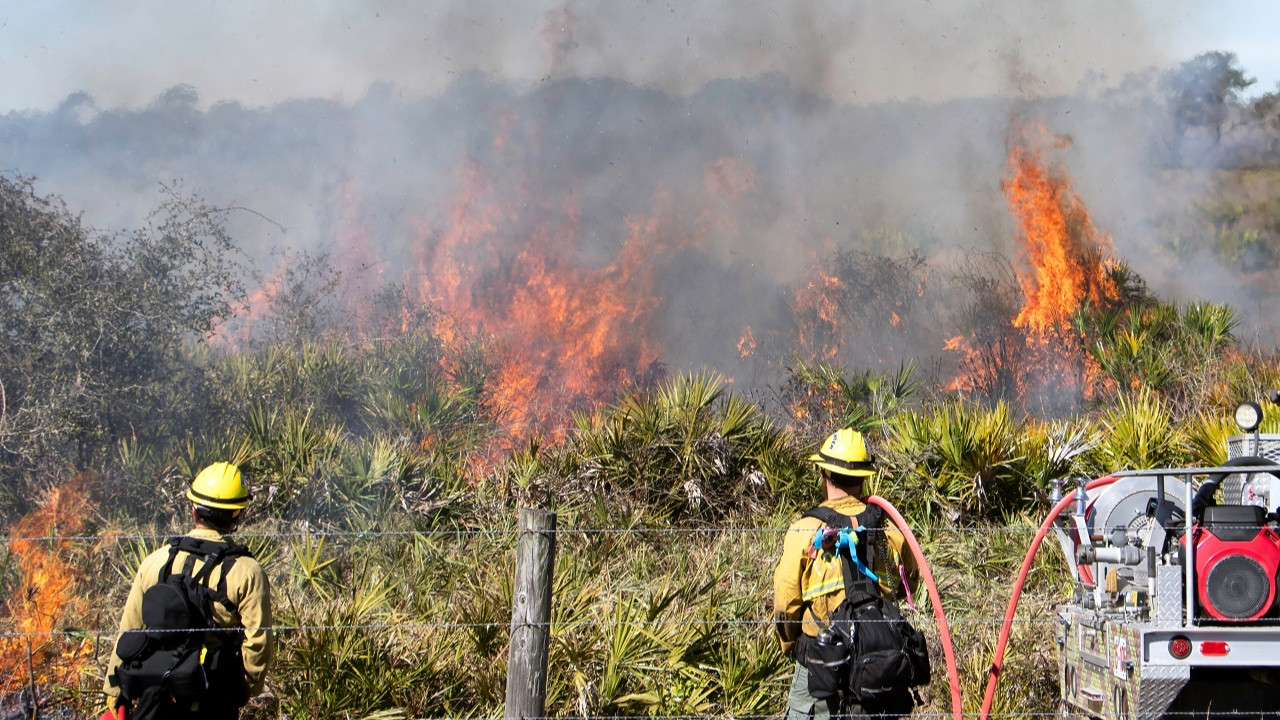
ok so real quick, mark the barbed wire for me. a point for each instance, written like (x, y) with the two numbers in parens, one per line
(915, 714)
(1188, 714)
(919, 532)
(312, 534)
(555, 626)
(397, 714)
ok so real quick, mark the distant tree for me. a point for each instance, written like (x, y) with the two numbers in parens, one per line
(305, 303)
(1201, 92)
(1265, 111)
(93, 326)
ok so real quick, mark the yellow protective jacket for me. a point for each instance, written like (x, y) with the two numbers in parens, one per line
(247, 587)
(815, 580)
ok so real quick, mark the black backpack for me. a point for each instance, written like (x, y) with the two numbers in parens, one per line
(168, 664)
(867, 653)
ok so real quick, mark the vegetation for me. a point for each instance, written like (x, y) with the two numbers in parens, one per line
(391, 559)
(384, 508)
(94, 328)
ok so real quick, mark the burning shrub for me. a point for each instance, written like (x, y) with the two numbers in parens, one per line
(37, 652)
(860, 308)
(1018, 343)
(991, 350)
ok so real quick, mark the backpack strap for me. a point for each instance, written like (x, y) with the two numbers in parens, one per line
(872, 519)
(857, 587)
(221, 592)
(213, 554)
(167, 569)
(832, 517)
(227, 557)
(872, 522)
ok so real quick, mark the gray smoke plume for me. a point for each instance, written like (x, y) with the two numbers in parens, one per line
(757, 143)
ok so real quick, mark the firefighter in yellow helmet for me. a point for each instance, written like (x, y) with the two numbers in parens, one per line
(158, 670)
(808, 582)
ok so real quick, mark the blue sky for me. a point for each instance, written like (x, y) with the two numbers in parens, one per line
(1249, 28)
(258, 52)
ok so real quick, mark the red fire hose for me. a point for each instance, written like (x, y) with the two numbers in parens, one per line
(994, 672)
(944, 630)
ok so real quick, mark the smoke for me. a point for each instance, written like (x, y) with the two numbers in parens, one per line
(760, 141)
(258, 54)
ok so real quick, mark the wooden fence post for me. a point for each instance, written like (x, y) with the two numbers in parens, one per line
(531, 615)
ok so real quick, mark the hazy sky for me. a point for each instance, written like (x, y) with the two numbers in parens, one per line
(258, 52)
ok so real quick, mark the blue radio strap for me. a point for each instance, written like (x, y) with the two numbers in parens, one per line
(848, 544)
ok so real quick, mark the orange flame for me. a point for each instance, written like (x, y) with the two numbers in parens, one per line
(816, 308)
(1038, 356)
(565, 321)
(570, 328)
(256, 307)
(34, 652)
(1062, 245)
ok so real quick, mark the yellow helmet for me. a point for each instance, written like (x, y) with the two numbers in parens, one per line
(219, 486)
(845, 453)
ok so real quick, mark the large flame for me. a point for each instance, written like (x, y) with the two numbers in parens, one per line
(564, 309)
(32, 650)
(1062, 268)
(1064, 250)
(570, 320)
(565, 333)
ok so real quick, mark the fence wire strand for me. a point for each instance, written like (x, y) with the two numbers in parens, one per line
(553, 626)
(505, 533)
(1189, 715)
(510, 532)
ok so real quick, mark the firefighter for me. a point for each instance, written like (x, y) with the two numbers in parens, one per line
(235, 666)
(809, 587)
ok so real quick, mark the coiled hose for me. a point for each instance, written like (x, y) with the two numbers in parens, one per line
(944, 630)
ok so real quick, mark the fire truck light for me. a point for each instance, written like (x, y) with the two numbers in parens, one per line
(1180, 647)
(1214, 648)
(1248, 416)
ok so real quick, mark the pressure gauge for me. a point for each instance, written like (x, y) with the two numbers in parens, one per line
(1248, 416)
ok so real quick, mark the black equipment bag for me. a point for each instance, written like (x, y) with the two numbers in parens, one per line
(867, 652)
(169, 664)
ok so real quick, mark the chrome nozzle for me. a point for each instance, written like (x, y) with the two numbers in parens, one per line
(1082, 498)
(1055, 495)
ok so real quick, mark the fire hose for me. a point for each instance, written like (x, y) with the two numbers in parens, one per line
(944, 630)
(993, 675)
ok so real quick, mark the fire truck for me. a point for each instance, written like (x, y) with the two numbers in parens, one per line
(1175, 612)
